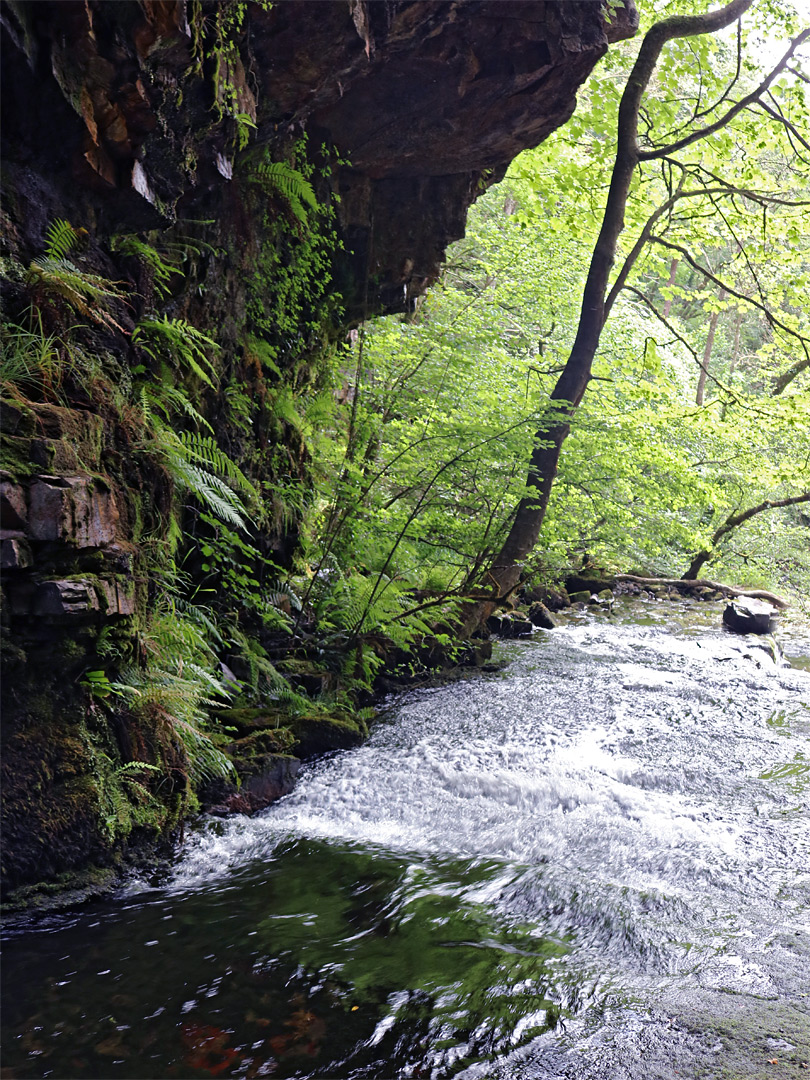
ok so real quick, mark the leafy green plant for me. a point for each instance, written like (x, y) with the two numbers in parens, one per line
(206, 471)
(179, 685)
(282, 178)
(163, 271)
(53, 277)
(234, 563)
(29, 359)
(291, 302)
(124, 799)
(178, 344)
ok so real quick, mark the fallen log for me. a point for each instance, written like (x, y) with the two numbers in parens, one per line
(726, 590)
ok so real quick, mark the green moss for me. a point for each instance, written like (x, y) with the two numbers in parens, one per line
(15, 455)
(269, 741)
(72, 887)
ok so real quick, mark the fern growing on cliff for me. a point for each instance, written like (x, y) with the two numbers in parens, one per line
(178, 686)
(178, 344)
(55, 277)
(161, 270)
(206, 471)
(281, 178)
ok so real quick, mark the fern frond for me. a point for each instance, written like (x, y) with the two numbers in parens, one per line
(203, 449)
(60, 239)
(292, 185)
(212, 492)
(86, 293)
(170, 399)
(162, 270)
(178, 343)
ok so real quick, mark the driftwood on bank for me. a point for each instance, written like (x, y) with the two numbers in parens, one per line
(726, 590)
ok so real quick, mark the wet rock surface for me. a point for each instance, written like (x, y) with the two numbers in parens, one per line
(750, 617)
(426, 101)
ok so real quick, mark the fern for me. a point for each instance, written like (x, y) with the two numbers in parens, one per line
(169, 399)
(258, 664)
(210, 490)
(87, 294)
(178, 343)
(292, 185)
(53, 275)
(203, 449)
(180, 683)
(281, 591)
(60, 239)
(162, 270)
(194, 462)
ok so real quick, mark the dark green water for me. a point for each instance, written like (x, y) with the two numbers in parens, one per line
(595, 864)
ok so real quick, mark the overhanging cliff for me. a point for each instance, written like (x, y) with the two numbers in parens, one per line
(198, 200)
(129, 115)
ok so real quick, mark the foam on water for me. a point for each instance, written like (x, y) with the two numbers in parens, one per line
(615, 769)
(613, 831)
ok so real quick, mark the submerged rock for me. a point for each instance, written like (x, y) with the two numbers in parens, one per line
(750, 617)
(264, 779)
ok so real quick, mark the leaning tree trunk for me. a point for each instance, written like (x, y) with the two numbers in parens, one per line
(504, 574)
(732, 522)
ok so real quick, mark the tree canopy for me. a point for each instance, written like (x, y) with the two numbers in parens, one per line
(616, 360)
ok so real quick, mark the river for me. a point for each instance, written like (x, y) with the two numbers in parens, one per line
(593, 864)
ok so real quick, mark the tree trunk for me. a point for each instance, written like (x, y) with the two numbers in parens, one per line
(673, 269)
(707, 352)
(735, 350)
(504, 574)
(732, 522)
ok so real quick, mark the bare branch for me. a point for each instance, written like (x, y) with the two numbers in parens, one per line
(733, 521)
(769, 315)
(728, 116)
(787, 377)
(790, 128)
(661, 318)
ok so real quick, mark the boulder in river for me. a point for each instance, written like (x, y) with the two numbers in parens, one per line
(510, 626)
(748, 616)
(582, 597)
(541, 616)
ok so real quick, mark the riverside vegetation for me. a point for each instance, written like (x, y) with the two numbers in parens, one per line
(313, 501)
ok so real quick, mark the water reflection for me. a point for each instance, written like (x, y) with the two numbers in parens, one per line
(593, 864)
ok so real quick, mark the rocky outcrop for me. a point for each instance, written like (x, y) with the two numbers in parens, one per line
(140, 108)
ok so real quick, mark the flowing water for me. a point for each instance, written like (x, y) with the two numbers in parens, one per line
(594, 863)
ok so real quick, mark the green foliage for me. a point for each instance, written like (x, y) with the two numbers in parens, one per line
(200, 467)
(179, 685)
(237, 572)
(60, 239)
(445, 405)
(164, 272)
(124, 799)
(29, 359)
(177, 344)
(292, 304)
(54, 278)
(280, 177)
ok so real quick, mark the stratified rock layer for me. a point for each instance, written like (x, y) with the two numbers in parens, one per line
(427, 103)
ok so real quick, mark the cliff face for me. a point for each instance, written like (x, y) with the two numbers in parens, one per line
(128, 115)
(168, 119)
